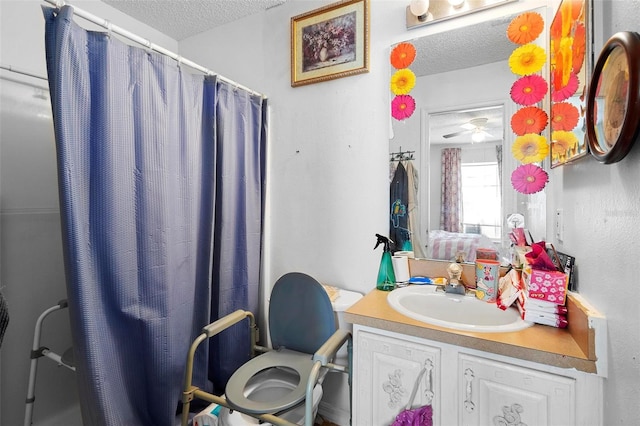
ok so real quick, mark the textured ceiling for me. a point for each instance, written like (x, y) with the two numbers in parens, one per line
(461, 48)
(464, 47)
(180, 19)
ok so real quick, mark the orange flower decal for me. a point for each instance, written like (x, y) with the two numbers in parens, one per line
(525, 27)
(564, 116)
(529, 119)
(403, 55)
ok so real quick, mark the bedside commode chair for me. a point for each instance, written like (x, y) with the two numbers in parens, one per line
(305, 340)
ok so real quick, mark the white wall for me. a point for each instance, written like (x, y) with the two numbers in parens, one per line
(32, 274)
(601, 209)
(328, 148)
(329, 175)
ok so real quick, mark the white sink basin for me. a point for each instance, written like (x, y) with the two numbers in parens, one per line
(455, 311)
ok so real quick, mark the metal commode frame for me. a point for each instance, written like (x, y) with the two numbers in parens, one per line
(321, 359)
(37, 351)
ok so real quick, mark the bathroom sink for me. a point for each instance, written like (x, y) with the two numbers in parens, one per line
(424, 303)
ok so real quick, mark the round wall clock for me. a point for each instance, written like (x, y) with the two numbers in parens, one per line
(613, 103)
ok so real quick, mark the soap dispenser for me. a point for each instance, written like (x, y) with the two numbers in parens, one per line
(386, 276)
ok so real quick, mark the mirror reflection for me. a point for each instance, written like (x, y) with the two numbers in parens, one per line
(460, 125)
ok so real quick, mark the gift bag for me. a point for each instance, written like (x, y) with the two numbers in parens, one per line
(420, 416)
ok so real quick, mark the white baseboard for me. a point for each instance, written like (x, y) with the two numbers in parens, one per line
(333, 414)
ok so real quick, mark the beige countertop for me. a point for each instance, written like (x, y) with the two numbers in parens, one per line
(565, 348)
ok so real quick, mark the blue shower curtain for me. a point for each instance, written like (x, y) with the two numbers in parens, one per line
(160, 179)
(238, 233)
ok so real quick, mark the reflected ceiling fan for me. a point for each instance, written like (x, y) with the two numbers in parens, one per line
(475, 126)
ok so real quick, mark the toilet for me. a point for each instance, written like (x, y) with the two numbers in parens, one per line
(275, 382)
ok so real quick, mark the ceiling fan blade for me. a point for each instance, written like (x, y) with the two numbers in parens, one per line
(451, 135)
(468, 126)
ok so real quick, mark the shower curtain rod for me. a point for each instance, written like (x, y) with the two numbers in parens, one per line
(18, 71)
(104, 23)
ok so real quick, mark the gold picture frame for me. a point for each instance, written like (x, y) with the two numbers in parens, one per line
(330, 42)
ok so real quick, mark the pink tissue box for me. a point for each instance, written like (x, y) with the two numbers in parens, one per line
(550, 286)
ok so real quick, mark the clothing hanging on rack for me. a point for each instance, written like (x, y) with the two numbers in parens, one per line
(413, 209)
(398, 219)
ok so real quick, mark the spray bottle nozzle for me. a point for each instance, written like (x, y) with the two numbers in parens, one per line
(383, 240)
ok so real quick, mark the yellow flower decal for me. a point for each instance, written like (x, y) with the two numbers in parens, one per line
(527, 59)
(563, 143)
(403, 81)
(530, 148)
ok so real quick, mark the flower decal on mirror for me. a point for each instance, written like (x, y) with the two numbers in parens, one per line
(403, 55)
(402, 107)
(402, 81)
(529, 90)
(529, 122)
(529, 179)
(529, 119)
(525, 28)
(528, 59)
(530, 148)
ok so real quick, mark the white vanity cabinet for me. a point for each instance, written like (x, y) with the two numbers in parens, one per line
(468, 386)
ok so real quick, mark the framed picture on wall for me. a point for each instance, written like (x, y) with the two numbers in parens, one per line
(571, 59)
(330, 42)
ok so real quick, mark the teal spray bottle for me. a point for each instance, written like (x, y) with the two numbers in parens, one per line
(386, 276)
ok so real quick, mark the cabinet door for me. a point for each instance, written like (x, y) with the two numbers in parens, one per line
(385, 371)
(495, 393)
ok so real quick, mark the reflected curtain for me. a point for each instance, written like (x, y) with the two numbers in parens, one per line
(451, 190)
(499, 160)
(145, 170)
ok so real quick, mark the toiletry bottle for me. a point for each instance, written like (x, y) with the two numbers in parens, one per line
(386, 276)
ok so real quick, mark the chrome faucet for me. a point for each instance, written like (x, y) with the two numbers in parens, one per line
(455, 285)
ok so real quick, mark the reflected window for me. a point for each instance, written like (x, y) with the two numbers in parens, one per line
(481, 199)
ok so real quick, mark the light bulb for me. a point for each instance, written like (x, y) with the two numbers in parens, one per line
(477, 136)
(419, 8)
(456, 3)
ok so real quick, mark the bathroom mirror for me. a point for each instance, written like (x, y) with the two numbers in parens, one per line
(462, 95)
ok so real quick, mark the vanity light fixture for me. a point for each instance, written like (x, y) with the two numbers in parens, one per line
(423, 12)
(419, 9)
